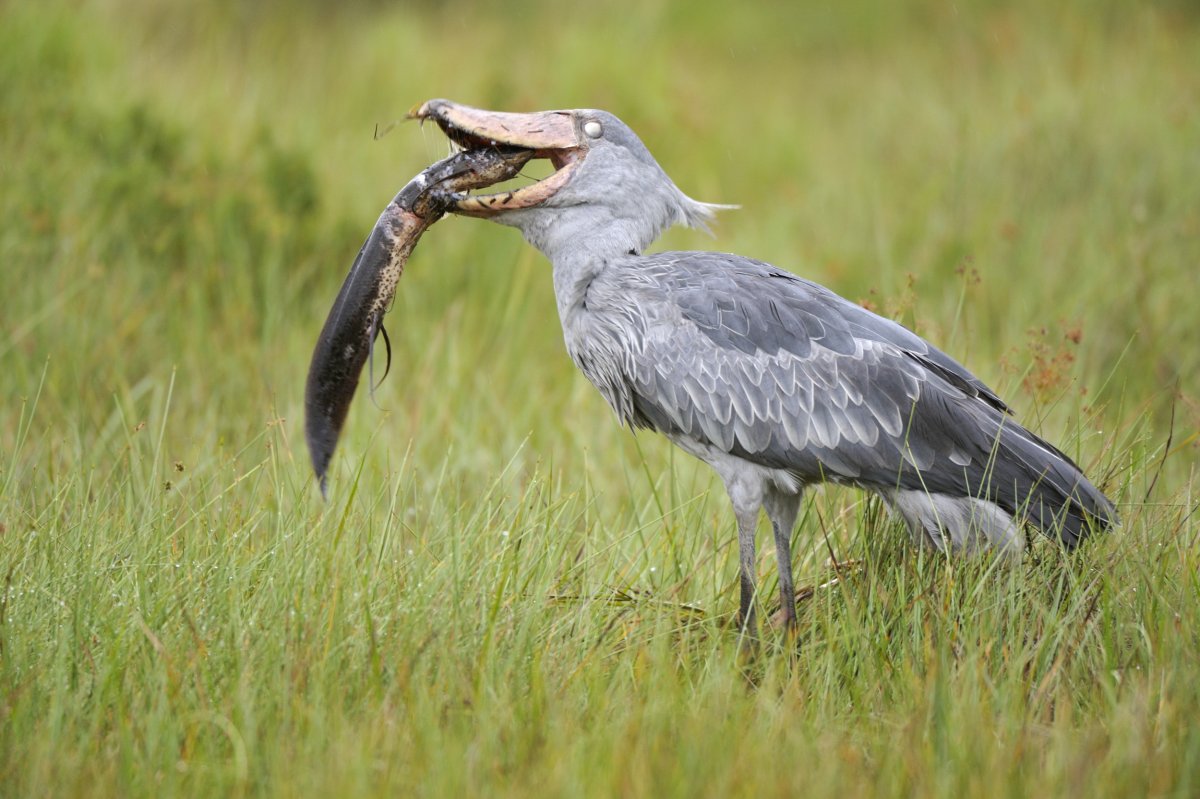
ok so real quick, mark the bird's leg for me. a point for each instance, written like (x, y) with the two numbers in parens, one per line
(747, 518)
(781, 510)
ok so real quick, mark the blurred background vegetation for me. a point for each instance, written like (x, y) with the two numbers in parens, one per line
(1020, 183)
(184, 186)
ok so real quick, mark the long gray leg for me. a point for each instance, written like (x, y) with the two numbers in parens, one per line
(746, 521)
(746, 494)
(781, 510)
(744, 485)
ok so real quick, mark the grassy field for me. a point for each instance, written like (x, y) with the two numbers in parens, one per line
(506, 594)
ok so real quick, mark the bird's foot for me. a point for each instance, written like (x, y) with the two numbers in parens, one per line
(783, 621)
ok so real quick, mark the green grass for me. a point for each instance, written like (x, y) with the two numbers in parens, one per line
(506, 594)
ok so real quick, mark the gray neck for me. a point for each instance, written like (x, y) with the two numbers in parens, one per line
(572, 275)
(579, 240)
(625, 207)
(614, 205)
(591, 231)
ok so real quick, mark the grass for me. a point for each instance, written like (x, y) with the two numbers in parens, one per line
(506, 594)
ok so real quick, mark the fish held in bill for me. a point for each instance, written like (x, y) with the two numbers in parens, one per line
(356, 319)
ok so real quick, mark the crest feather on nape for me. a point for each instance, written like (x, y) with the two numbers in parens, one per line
(698, 215)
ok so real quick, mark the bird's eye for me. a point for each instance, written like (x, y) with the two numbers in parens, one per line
(592, 129)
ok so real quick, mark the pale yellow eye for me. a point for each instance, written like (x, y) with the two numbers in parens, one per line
(593, 129)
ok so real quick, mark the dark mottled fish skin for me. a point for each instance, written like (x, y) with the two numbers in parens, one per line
(357, 314)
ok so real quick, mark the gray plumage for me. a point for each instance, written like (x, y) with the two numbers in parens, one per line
(736, 355)
(775, 381)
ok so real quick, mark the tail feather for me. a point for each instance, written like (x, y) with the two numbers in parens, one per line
(1037, 482)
